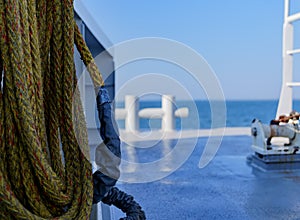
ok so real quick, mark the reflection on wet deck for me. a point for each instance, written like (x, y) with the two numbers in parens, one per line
(153, 160)
(227, 188)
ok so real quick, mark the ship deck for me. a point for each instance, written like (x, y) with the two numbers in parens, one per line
(229, 187)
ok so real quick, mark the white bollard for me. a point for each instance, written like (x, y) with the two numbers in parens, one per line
(182, 113)
(132, 108)
(167, 113)
(168, 119)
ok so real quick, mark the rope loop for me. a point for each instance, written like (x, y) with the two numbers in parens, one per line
(38, 103)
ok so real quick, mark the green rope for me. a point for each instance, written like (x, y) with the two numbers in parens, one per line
(41, 112)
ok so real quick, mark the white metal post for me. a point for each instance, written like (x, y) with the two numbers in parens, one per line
(285, 105)
(132, 108)
(168, 119)
(286, 96)
(286, 9)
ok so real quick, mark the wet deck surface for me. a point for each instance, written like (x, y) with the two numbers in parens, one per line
(227, 188)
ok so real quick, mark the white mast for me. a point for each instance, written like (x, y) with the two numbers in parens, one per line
(285, 104)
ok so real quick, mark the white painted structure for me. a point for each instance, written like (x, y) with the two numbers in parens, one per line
(167, 113)
(285, 105)
(98, 43)
(279, 143)
(129, 113)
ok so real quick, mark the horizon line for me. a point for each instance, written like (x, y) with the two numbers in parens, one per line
(270, 99)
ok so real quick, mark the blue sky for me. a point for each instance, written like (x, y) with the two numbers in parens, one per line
(240, 40)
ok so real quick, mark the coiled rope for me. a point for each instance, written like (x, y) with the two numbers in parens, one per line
(39, 112)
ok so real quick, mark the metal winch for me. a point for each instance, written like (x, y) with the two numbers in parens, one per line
(276, 144)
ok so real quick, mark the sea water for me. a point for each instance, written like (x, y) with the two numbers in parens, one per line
(237, 113)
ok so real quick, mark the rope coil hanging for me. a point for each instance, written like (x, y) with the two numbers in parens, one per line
(37, 107)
